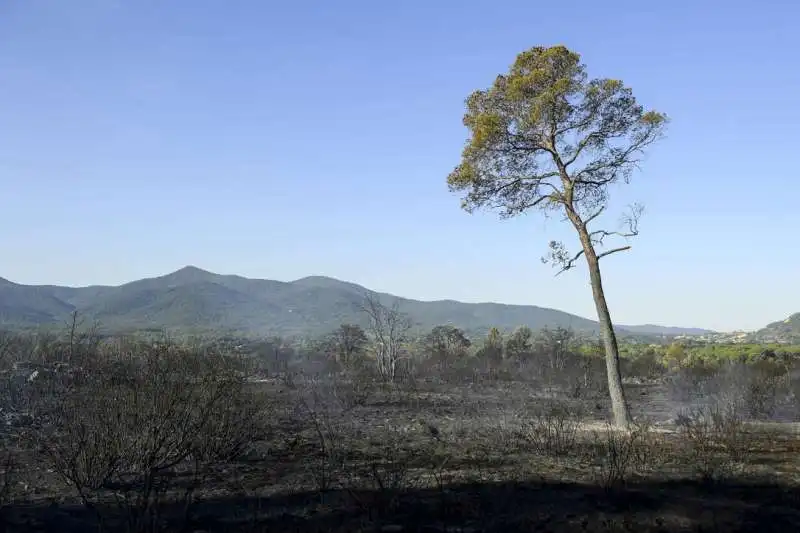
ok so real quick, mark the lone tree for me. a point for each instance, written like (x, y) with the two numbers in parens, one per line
(447, 341)
(492, 347)
(519, 343)
(347, 341)
(545, 136)
(389, 329)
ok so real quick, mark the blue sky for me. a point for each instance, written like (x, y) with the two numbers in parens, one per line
(283, 139)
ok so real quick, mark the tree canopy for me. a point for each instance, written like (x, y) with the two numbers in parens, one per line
(545, 136)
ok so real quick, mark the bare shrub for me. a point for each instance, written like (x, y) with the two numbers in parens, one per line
(767, 388)
(352, 390)
(713, 439)
(552, 428)
(584, 377)
(461, 370)
(392, 475)
(8, 476)
(141, 420)
(792, 384)
(270, 357)
(762, 398)
(753, 390)
(326, 414)
(387, 475)
(13, 348)
(621, 453)
(690, 383)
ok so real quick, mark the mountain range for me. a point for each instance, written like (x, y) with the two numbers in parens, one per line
(197, 300)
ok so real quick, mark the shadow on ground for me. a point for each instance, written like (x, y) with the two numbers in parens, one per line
(503, 507)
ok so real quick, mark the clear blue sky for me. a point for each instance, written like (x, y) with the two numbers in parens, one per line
(284, 139)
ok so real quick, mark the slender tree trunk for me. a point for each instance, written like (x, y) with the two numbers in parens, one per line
(619, 405)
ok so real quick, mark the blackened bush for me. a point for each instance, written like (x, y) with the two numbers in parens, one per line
(754, 389)
(552, 427)
(9, 447)
(461, 370)
(138, 420)
(352, 389)
(713, 440)
(769, 385)
(585, 377)
(690, 383)
(621, 453)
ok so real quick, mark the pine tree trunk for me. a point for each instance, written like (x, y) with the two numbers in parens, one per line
(619, 405)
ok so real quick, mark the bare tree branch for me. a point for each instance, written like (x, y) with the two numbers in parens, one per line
(594, 215)
(598, 235)
(630, 220)
(615, 250)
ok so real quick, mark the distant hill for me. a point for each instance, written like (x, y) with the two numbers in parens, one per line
(652, 329)
(194, 299)
(783, 331)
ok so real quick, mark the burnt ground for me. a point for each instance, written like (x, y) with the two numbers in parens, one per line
(465, 457)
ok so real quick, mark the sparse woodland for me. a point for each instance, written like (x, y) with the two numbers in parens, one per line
(508, 433)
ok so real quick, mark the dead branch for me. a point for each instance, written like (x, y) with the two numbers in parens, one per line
(615, 250)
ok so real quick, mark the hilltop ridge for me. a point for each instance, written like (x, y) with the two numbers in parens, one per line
(191, 297)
